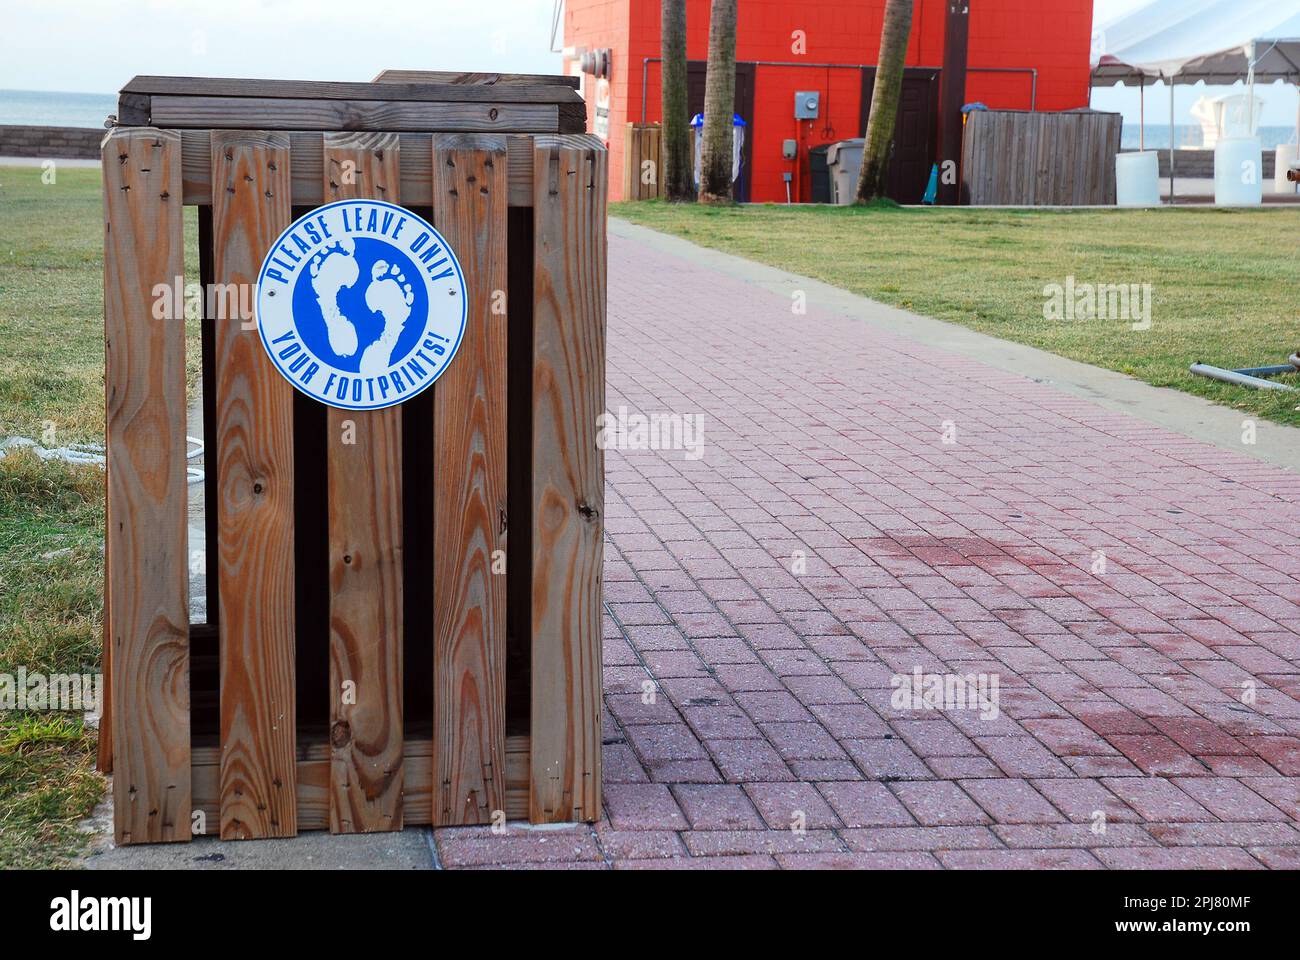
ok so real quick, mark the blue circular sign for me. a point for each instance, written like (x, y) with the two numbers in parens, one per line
(361, 304)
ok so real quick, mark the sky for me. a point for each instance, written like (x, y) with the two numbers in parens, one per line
(1280, 100)
(95, 46)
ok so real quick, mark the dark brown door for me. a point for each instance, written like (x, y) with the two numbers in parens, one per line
(695, 73)
(915, 130)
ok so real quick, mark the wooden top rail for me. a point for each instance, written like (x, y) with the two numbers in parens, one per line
(484, 79)
(408, 101)
(542, 90)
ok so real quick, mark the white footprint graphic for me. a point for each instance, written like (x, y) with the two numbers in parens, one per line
(332, 270)
(390, 296)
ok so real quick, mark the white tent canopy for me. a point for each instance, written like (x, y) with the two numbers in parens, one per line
(1190, 41)
(1186, 41)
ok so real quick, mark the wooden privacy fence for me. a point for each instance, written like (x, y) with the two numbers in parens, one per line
(1011, 157)
(643, 161)
(369, 658)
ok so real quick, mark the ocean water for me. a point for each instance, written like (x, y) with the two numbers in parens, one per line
(54, 109)
(50, 109)
(1189, 135)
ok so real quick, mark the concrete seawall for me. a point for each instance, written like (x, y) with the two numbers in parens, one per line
(58, 143)
(1200, 163)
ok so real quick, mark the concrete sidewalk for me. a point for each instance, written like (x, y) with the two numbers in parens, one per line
(880, 496)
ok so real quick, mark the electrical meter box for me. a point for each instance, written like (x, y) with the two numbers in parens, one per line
(807, 104)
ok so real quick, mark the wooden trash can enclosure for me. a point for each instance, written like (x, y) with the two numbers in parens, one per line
(643, 162)
(1018, 158)
(403, 598)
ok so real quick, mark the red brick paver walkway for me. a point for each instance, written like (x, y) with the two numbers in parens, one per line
(1137, 595)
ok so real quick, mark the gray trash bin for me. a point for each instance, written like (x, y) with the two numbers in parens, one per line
(844, 164)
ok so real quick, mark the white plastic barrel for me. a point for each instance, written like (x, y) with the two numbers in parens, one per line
(1238, 171)
(1288, 155)
(1137, 179)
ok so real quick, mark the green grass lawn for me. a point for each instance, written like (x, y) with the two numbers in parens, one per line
(1225, 283)
(51, 515)
(51, 531)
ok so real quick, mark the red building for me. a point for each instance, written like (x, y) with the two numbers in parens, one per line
(1021, 54)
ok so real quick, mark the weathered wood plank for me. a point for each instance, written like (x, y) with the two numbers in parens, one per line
(470, 180)
(307, 160)
(146, 550)
(104, 745)
(569, 183)
(1063, 169)
(484, 79)
(365, 525)
(966, 186)
(1041, 152)
(254, 464)
(972, 168)
(1021, 135)
(519, 163)
(548, 90)
(573, 117)
(313, 777)
(1001, 169)
(272, 113)
(1116, 137)
(133, 110)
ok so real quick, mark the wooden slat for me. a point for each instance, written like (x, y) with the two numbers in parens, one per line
(313, 775)
(1043, 160)
(655, 155)
(469, 206)
(631, 160)
(487, 79)
(273, 113)
(1016, 158)
(104, 745)
(1111, 146)
(146, 550)
(1001, 169)
(307, 160)
(365, 527)
(1064, 179)
(569, 183)
(972, 167)
(519, 161)
(965, 185)
(986, 169)
(253, 448)
(546, 90)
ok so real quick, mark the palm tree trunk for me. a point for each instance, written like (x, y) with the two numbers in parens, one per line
(719, 104)
(679, 184)
(874, 178)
